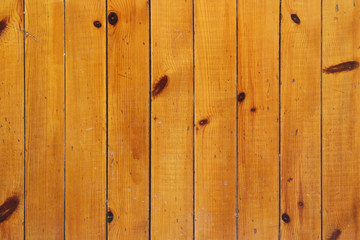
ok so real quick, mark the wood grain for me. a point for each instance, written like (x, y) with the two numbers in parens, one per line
(341, 138)
(11, 120)
(85, 120)
(128, 68)
(172, 120)
(44, 58)
(258, 89)
(215, 119)
(181, 119)
(300, 119)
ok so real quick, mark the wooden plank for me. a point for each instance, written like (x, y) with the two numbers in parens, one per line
(44, 84)
(85, 119)
(172, 120)
(258, 119)
(300, 119)
(215, 119)
(128, 53)
(341, 138)
(11, 120)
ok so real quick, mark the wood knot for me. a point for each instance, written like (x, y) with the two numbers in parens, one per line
(285, 218)
(159, 86)
(241, 97)
(8, 207)
(113, 18)
(3, 25)
(335, 235)
(109, 217)
(295, 18)
(97, 24)
(342, 67)
(204, 122)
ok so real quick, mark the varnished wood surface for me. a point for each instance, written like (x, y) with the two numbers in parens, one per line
(11, 120)
(128, 119)
(183, 119)
(85, 109)
(171, 120)
(300, 119)
(340, 122)
(215, 119)
(44, 115)
(258, 132)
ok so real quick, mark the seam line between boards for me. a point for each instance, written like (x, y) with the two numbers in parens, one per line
(24, 121)
(193, 127)
(150, 109)
(107, 118)
(64, 6)
(237, 120)
(321, 121)
(279, 159)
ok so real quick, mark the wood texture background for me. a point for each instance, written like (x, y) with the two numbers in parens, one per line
(182, 119)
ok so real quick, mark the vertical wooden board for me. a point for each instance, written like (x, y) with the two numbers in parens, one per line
(172, 120)
(215, 119)
(44, 58)
(258, 119)
(300, 119)
(128, 53)
(11, 120)
(341, 122)
(85, 119)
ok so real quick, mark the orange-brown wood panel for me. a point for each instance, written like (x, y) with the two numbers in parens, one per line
(300, 119)
(128, 106)
(85, 34)
(11, 120)
(44, 59)
(341, 122)
(215, 119)
(172, 120)
(258, 119)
